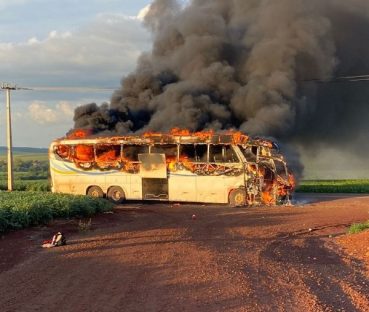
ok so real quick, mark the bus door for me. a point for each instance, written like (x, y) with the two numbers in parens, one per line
(153, 171)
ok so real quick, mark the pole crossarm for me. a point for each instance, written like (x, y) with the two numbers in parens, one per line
(7, 86)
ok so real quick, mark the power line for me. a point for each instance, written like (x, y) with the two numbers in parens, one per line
(342, 79)
(58, 88)
(71, 89)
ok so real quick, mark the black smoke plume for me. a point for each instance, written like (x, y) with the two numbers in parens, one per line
(250, 65)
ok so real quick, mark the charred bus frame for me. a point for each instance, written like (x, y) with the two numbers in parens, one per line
(193, 167)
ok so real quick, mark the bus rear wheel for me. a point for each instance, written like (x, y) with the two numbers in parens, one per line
(116, 195)
(237, 198)
(95, 191)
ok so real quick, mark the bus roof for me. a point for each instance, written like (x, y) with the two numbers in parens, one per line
(176, 136)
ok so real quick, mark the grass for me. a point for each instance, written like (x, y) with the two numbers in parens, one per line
(358, 227)
(25, 175)
(27, 185)
(23, 209)
(27, 156)
(334, 186)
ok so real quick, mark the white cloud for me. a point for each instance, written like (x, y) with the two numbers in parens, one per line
(103, 50)
(43, 114)
(98, 54)
(33, 40)
(143, 12)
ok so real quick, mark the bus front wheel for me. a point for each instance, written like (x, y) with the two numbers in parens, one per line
(95, 191)
(237, 198)
(116, 195)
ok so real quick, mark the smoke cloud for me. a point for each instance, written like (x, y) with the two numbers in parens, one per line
(248, 65)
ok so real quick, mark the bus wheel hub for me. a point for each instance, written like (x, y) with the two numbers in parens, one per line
(239, 199)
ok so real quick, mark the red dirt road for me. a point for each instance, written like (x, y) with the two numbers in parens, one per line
(154, 257)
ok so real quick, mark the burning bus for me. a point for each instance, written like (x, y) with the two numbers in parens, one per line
(181, 166)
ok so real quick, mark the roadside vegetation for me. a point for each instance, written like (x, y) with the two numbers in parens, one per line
(27, 185)
(29, 175)
(23, 209)
(33, 169)
(358, 227)
(334, 186)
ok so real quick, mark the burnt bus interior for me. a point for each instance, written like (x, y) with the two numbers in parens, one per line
(125, 156)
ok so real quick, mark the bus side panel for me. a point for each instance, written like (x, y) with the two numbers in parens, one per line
(83, 181)
(135, 183)
(77, 184)
(66, 178)
(233, 183)
(215, 189)
(62, 184)
(119, 179)
(130, 183)
(182, 187)
(210, 189)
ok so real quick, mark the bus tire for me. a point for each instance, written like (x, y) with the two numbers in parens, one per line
(116, 195)
(95, 191)
(237, 198)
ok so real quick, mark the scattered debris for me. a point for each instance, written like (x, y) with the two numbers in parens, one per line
(84, 226)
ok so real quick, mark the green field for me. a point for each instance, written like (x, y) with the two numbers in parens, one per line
(27, 185)
(25, 157)
(334, 186)
(21, 176)
(25, 153)
(23, 209)
(29, 164)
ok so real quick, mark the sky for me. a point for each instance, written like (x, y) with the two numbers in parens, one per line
(70, 43)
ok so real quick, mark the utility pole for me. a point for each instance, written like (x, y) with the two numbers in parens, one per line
(7, 87)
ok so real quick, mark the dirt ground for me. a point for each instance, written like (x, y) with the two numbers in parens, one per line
(156, 257)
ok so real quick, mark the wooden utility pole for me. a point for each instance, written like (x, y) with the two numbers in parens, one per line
(7, 89)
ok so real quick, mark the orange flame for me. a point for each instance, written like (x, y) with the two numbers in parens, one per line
(292, 181)
(108, 156)
(84, 153)
(204, 135)
(79, 134)
(180, 132)
(268, 198)
(63, 151)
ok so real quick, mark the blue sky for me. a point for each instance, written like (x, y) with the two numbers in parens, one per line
(64, 43)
